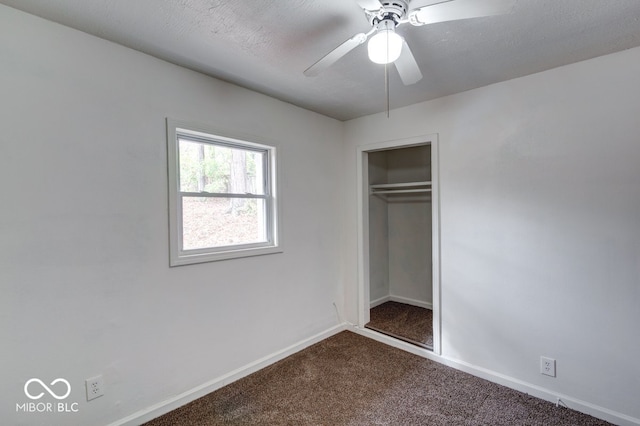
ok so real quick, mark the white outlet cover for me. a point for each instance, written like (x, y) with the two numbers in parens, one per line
(95, 387)
(547, 366)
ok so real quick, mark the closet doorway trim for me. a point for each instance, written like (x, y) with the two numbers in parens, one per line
(363, 226)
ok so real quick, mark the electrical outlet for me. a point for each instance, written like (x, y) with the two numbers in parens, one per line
(95, 387)
(548, 366)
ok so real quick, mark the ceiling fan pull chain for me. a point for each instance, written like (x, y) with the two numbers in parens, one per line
(386, 85)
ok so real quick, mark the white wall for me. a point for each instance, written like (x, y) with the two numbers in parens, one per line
(540, 225)
(85, 283)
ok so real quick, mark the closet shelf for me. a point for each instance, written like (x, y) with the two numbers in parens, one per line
(400, 188)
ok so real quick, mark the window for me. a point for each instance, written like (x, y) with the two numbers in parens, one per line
(222, 197)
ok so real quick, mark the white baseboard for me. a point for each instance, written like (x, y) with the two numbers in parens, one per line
(400, 299)
(215, 384)
(492, 376)
(543, 393)
(504, 380)
(379, 302)
(391, 341)
(412, 302)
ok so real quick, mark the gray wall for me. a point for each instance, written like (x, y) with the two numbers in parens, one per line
(85, 282)
(540, 235)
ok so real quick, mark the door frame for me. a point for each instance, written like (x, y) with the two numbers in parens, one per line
(363, 226)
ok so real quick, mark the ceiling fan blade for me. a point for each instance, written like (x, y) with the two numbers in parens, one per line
(419, 4)
(407, 66)
(369, 5)
(459, 9)
(337, 53)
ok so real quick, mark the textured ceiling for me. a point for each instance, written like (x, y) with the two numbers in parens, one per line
(265, 45)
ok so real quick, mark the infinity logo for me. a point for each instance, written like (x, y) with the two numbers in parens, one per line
(52, 393)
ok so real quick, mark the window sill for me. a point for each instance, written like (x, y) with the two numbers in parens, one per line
(190, 259)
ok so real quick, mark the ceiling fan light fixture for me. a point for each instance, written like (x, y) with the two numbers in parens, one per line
(385, 45)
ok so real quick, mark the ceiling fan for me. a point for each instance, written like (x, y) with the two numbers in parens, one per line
(387, 46)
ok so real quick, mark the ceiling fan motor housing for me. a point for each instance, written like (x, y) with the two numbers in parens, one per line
(391, 10)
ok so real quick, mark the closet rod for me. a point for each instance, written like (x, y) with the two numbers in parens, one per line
(399, 191)
(399, 185)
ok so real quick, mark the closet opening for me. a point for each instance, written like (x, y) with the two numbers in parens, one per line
(399, 244)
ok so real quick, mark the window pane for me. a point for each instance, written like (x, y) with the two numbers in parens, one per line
(216, 222)
(220, 169)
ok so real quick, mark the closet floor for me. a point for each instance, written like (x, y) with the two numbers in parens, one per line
(406, 322)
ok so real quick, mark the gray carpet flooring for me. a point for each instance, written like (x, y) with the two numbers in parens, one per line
(348, 379)
(406, 322)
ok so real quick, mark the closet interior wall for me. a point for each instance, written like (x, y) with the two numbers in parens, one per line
(400, 229)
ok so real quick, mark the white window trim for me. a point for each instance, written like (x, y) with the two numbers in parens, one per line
(178, 256)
